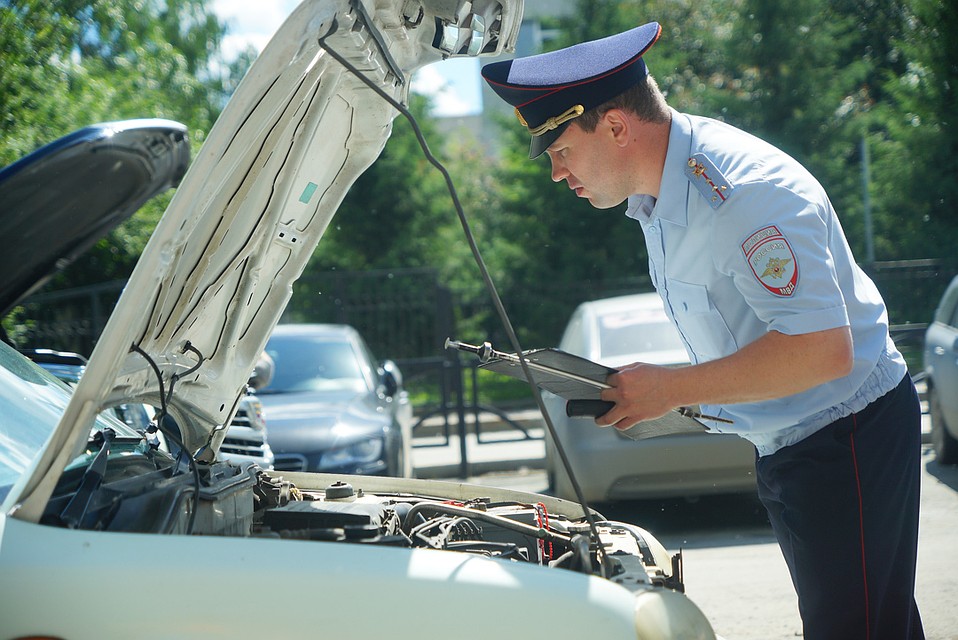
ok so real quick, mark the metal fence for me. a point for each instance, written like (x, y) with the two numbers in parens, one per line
(406, 315)
(65, 320)
(911, 288)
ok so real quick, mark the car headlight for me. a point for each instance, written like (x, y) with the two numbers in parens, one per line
(361, 452)
(661, 613)
(257, 419)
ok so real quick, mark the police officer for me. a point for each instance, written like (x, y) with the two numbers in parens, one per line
(787, 337)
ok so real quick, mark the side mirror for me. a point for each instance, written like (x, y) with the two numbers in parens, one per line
(390, 378)
(262, 372)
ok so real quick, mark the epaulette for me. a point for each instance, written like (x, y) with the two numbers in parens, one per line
(708, 180)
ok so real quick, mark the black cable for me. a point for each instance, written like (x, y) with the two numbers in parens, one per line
(487, 279)
(176, 376)
(156, 370)
(158, 418)
(537, 533)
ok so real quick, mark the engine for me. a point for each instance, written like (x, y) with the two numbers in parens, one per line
(504, 529)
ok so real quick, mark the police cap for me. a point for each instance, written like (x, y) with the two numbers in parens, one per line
(550, 90)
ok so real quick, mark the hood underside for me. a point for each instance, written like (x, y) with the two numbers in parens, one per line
(218, 270)
(65, 196)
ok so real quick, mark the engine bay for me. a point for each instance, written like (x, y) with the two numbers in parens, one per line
(505, 529)
(146, 491)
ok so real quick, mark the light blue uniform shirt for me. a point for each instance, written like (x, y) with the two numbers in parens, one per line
(743, 240)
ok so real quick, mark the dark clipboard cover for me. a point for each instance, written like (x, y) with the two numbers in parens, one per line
(575, 378)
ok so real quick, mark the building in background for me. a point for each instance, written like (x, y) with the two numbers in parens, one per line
(534, 34)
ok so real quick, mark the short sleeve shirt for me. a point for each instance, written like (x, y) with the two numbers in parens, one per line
(743, 240)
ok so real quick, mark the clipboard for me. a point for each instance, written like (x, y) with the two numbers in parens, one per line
(580, 382)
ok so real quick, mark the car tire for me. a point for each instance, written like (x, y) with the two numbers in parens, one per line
(945, 444)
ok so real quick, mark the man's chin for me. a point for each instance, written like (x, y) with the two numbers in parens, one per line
(597, 201)
(607, 203)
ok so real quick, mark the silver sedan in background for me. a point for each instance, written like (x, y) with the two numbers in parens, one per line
(941, 369)
(610, 466)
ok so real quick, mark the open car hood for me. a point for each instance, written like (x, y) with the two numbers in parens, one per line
(218, 270)
(65, 196)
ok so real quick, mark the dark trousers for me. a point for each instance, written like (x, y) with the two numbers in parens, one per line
(844, 506)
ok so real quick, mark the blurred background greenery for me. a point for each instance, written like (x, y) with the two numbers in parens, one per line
(832, 82)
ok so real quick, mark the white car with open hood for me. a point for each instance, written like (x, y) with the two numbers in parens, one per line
(103, 535)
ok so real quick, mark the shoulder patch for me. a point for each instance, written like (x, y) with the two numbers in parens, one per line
(708, 180)
(772, 261)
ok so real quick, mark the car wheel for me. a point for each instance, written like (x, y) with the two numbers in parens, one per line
(945, 445)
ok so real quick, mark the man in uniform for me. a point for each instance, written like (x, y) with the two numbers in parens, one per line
(787, 337)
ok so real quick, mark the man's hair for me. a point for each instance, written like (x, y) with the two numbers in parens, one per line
(644, 99)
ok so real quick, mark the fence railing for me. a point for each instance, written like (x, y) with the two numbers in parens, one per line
(406, 315)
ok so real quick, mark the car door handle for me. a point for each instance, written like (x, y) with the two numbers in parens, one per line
(939, 351)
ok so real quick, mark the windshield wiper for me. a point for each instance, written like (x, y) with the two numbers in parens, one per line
(72, 515)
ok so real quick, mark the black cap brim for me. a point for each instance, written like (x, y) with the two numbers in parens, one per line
(540, 143)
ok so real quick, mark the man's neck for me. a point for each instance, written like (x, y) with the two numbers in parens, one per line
(648, 157)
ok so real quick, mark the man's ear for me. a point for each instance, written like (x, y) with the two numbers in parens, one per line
(618, 125)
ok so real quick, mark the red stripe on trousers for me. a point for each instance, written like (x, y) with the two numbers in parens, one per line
(861, 525)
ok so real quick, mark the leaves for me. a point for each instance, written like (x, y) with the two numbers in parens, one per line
(816, 77)
(71, 63)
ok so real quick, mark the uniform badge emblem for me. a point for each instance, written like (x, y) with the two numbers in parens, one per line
(709, 181)
(772, 261)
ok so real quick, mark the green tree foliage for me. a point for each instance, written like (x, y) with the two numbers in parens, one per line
(70, 63)
(689, 60)
(798, 76)
(815, 77)
(783, 66)
(914, 139)
(390, 215)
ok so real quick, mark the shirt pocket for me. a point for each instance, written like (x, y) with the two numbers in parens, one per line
(699, 321)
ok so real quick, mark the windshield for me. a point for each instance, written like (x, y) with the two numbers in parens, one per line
(31, 403)
(311, 363)
(637, 331)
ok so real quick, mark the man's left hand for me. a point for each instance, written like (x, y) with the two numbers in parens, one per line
(640, 392)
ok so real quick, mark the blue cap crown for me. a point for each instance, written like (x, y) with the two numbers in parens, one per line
(550, 90)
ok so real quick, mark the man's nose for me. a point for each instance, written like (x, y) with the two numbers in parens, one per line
(559, 172)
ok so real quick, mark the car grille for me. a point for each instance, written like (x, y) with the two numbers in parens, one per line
(241, 447)
(241, 418)
(289, 462)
